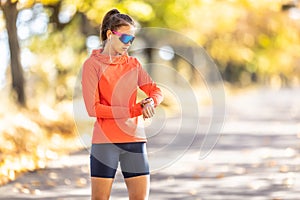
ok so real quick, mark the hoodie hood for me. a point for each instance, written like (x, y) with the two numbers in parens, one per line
(106, 59)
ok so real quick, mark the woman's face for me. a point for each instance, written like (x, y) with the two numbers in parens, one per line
(118, 47)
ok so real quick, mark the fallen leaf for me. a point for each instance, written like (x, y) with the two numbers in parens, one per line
(85, 169)
(67, 181)
(196, 176)
(35, 183)
(289, 181)
(220, 175)
(171, 179)
(18, 185)
(53, 175)
(50, 183)
(81, 182)
(284, 168)
(193, 192)
(25, 190)
(240, 170)
(272, 163)
(35, 192)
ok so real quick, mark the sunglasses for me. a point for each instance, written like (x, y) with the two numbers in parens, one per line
(124, 38)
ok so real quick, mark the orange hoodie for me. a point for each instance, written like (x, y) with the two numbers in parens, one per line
(109, 91)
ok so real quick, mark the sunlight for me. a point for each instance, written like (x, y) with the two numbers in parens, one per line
(25, 15)
(23, 32)
(51, 155)
(92, 42)
(28, 59)
(23, 121)
(294, 13)
(66, 13)
(166, 52)
(4, 58)
(40, 24)
(48, 112)
(254, 45)
(141, 9)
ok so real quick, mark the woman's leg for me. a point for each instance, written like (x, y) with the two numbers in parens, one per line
(135, 169)
(104, 160)
(101, 188)
(138, 187)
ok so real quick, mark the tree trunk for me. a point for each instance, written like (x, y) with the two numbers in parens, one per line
(10, 13)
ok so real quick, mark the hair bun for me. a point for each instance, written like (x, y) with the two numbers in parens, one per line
(113, 12)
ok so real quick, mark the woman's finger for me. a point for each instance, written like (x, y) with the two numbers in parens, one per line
(149, 110)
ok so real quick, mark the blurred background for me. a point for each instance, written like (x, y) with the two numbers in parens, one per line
(254, 44)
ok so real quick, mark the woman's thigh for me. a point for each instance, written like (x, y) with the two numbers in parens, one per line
(101, 188)
(138, 187)
(134, 160)
(135, 169)
(104, 160)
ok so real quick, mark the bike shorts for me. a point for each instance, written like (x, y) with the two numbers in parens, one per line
(104, 159)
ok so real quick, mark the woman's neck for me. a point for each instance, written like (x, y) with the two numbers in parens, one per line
(107, 50)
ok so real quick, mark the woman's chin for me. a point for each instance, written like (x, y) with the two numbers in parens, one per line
(123, 52)
(125, 49)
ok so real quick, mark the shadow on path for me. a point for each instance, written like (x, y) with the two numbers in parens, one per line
(256, 157)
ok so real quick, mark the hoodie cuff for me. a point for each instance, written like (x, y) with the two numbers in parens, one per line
(136, 110)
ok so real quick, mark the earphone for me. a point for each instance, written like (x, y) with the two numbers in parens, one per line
(109, 49)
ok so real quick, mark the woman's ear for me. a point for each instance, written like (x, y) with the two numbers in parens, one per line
(108, 34)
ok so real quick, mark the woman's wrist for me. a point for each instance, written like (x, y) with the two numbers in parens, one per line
(147, 101)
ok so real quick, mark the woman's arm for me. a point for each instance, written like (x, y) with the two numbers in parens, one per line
(91, 96)
(150, 88)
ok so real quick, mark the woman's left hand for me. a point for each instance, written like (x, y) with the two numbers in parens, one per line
(148, 111)
(148, 108)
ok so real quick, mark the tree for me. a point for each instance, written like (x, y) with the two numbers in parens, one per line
(249, 40)
(11, 9)
(10, 13)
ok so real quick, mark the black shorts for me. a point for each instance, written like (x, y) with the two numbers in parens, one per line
(133, 159)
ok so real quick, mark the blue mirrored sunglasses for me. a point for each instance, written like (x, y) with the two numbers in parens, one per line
(124, 38)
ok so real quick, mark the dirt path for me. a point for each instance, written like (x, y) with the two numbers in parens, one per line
(256, 157)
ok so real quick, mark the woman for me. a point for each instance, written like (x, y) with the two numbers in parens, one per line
(110, 79)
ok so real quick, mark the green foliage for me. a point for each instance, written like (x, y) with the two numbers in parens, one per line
(249, 40)
(252, 38)
(252, 35)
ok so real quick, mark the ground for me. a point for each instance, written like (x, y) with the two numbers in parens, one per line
(256, 157)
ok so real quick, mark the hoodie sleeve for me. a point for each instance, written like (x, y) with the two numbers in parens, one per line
(146, 84)
(91, 96)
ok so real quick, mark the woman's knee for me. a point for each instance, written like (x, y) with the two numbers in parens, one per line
(100, 197)
(138, 197)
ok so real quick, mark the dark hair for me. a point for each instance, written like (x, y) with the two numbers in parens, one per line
(113, 20)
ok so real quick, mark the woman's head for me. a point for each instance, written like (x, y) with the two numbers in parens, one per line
(117, 30)
(113, 21)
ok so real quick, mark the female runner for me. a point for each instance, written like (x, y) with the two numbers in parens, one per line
(110, 79)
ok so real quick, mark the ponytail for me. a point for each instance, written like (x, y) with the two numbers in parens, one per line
(113, 20)
(105, 23)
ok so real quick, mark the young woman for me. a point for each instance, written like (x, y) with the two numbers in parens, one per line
(110, 79)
